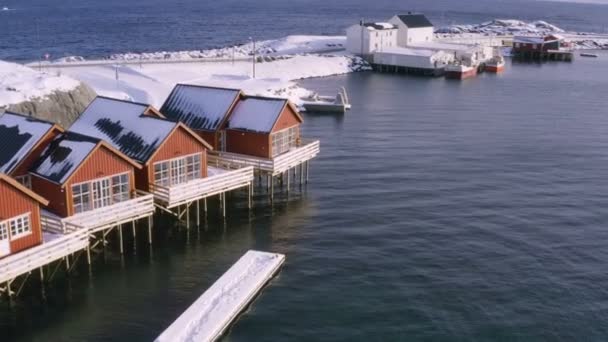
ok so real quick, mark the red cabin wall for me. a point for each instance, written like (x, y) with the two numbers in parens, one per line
(287, 119)
(54, 193)
(210, 137)
(249, 143)
(179, 143)
(102, 163)
(15, 203)
(25, 166)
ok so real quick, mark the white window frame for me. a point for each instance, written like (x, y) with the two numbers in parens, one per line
(4, 231)
(20, 226)
(177, 170)
(105, 200)
(284, 140)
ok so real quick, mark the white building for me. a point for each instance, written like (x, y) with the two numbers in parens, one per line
(366, 38)
(412, 28)
(414, 61)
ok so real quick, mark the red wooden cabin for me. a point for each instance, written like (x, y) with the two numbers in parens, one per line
(23, 140)
(169, 152)
(233, 122)
(527, 44)
(203, 109)
(77, 174)
(20, 227)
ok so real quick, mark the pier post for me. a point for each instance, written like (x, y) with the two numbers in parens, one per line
(67, 263)
(198, 213)
(150, 230)
(271, 188)
(288, 178)
(250, 189)
(268, 180)
(307, 169)
(188, 215)
(42, 275)
(134, 230)
(223, 204)
(89, 255)
(301, 174)
(120, 239)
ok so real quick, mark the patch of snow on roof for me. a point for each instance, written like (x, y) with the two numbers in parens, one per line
(256, 114)
(19, 83)
(19, 135)
(123, 125)
(528, 40)
(406, 51)
(199, 107)
(63, 156)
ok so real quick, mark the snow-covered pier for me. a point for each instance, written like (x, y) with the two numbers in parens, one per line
(213, 312)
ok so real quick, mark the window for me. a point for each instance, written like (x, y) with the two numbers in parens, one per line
(178, 170)
(101, 193)
(120, 188)
(81, 196)
(284, 140)
(25, 181)
(4, 231)
(20, 226)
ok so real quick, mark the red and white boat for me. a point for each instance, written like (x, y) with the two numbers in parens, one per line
(496, 64)
(460, 71)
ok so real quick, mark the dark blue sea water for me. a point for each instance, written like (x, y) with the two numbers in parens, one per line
(438, 210)
(95, 28)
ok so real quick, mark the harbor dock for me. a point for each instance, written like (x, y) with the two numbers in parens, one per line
(214, 311)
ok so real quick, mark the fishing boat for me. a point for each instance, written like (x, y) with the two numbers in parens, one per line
(495, 64)
(460, 71)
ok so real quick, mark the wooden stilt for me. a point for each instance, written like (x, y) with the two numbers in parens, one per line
(301, 174)
(42, 275)
(205, 202)
(120, 239)
(134, 230)
(268, 182)
(224, 204)
(188, 215)
(307, 169)
(198, 213)
(89, 255)
(271, 188)
(288, 178)
(150, 230)
(67, 264)
(250, 189)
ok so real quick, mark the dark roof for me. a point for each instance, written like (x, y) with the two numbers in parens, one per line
(63, 156)
(256, 113)
(199, 107)
(19, 135)
(124, 126)
(415, 20)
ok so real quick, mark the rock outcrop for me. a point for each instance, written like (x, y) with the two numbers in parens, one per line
(62, 107)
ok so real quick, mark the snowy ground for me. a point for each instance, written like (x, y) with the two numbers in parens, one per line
(280, 63)
(19, 83)
(512, 27)
(205, 319)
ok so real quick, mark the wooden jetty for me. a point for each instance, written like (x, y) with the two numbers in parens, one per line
(213, 312)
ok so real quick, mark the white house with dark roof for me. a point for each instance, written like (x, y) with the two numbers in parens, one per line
(366, 38)
(412, 28)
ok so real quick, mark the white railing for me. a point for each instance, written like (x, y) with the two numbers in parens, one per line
(142, 205)
(36, 257)
(202, 188)
(276, 165)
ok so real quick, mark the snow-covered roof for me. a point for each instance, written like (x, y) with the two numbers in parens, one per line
(199, 107)
(528, 39)
(441, 46)
(256, 114)
(379, 26)
(415, 20)
(124, 126)
(19, 135)
(63, 156)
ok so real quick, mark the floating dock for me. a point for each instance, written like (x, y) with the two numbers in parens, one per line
(213, 312)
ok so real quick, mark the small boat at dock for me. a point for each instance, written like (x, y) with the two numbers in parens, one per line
(460, 71)
(496, 64)
(327, 104)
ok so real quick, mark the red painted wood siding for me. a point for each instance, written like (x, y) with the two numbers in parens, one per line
(287, 119)
(180, 143)
(15, 203)
(249, 143)
(101, 164)
(33, 156)
(54, 193)
(210, 137)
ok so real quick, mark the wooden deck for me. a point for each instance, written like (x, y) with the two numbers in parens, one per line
(274, 166)
(226, 180)
(142, 205)
(53, 249)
